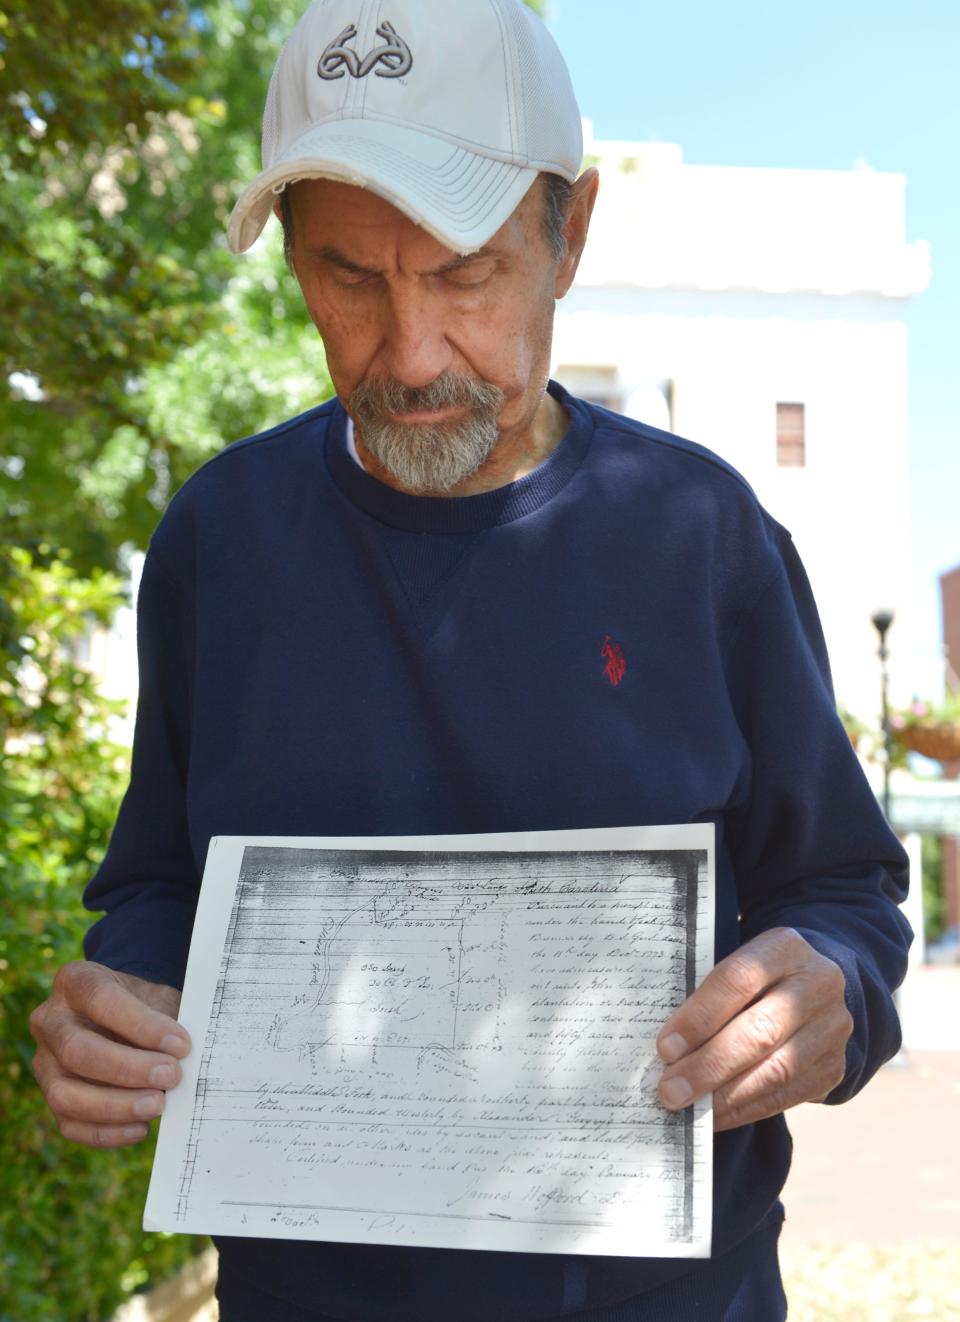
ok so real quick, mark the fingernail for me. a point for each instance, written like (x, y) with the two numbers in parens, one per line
(676, 1093)
(134, 1132)
(672, 1048)
(163, 1076)
(148, 1107)
(175, 1045)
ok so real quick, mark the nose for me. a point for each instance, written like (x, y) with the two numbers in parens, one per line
(415, 345)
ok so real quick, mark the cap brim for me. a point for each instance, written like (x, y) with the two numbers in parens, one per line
(459, 197)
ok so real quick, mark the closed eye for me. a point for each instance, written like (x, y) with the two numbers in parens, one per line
(351, 279)
(345, 271)
(469, 273)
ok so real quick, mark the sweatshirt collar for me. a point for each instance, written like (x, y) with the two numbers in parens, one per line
(462, 514)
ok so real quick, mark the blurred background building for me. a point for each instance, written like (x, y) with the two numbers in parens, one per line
(760, 312)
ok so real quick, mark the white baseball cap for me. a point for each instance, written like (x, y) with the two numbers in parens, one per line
(449, 109)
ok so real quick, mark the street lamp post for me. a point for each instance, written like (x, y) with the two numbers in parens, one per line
(882, 621)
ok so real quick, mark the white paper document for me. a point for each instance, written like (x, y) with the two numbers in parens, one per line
(443, 1041)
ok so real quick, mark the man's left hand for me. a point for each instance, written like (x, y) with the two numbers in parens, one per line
(765, 1030)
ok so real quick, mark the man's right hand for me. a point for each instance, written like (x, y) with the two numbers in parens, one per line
(108, 1046)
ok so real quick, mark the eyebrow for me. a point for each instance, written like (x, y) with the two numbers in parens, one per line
(335, 257)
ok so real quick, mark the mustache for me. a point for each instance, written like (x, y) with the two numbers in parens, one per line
(373, 398)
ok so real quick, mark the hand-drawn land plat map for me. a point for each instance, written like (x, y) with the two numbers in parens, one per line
(442, 1046)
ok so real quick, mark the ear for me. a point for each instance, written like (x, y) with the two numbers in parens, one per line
(582, 200)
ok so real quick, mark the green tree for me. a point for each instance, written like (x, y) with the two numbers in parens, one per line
(59, 782)
(126, 131)
(132, 347)
(123, 154)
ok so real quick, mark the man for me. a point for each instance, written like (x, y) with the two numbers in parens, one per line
(455, 600)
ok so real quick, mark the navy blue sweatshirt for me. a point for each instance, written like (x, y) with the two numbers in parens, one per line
(622, 638)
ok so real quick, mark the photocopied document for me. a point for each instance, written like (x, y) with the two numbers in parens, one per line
(443, 1041)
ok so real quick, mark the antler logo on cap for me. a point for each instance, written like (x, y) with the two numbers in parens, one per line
(338, 57)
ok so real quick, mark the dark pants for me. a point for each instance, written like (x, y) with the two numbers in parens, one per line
(743, 1285)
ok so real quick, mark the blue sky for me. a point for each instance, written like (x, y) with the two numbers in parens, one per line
(819, 86)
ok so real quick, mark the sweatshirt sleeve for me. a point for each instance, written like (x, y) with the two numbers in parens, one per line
(148, 883)
(811, 847)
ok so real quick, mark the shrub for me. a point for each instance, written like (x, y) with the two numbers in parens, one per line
(69, 1216)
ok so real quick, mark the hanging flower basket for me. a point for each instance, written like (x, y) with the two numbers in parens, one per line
(937, 739)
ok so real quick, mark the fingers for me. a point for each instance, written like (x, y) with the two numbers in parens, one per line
(755, 1035)
(777, 1044)
(85, 1113)
(730, 987)
(76, 1099)
(92, 1114)
(794, 1074)
(102, 1136)
(88, 1010)
(96, 1029)
(99, 994)
(84, 1052)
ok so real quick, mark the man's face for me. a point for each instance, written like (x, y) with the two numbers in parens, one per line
(438, 358)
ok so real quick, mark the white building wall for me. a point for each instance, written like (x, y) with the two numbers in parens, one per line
(698, 326)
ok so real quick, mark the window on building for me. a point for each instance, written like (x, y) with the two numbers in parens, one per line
(791, 441)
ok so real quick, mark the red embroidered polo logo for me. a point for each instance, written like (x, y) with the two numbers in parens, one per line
(616, 666)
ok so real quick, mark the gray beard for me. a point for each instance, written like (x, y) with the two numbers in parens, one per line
(433, 457)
